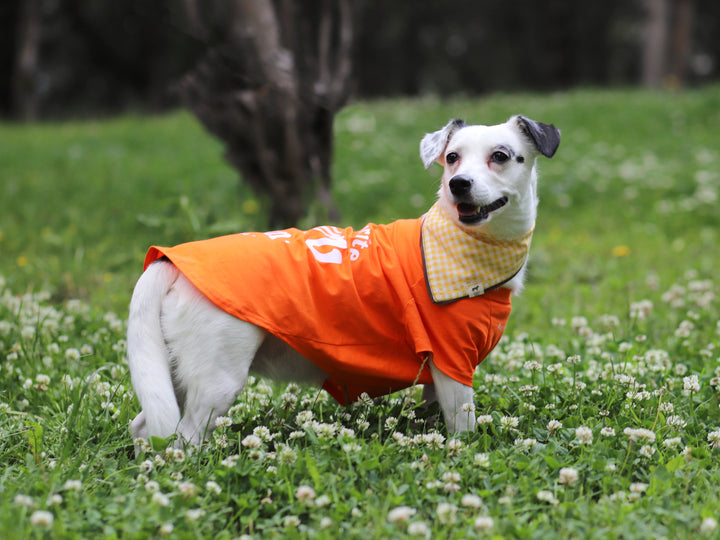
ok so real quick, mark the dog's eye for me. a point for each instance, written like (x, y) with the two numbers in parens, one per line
(451, 158)
(499, 157)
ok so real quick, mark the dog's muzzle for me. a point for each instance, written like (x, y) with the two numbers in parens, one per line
(470, 213)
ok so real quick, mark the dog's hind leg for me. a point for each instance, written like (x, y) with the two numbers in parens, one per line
(211, 354)
(148, 356)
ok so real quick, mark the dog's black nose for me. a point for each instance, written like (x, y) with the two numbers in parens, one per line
(460, 185)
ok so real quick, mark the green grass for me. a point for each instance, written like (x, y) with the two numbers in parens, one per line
(619, 316)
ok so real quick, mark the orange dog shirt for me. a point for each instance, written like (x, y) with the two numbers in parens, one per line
(356, 303)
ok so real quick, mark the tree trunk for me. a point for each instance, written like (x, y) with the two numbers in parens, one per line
(655, 42)
(270, 91)
(25, 90)
(682, 40)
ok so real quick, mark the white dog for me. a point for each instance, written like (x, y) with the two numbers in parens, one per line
(376, 310)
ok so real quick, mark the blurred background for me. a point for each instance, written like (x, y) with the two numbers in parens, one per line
(70, 58)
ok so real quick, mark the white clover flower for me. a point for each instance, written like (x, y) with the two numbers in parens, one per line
(418, 528)
(640, 434)
(509, 422)
(666, 407)
(42, 518)
(351, 448)
(583, 435)
(347, 433)
(24, 500)
(578, 322)
(641, 310)
(303, 417)
(286, 455)
(401, 439)
(187, 489)
(471, 501)
(177, 454)
(674, 442)
(323, 430)
(194, 514)
(547, 496)
(160, 499)
(73, 485)
(468, 407)
(482, 460)
(525, 444)
(607, 432)
(647, 451)
(42, 382)
(484, 419)
(454, 445)
(223, 422)
(433, 439)
(54, 500)
(305, 494)
(322, 500)
(230, 461)
(446, 513)
(292, 522)
(568, 476)
(691, 384)
(714, 438)
(675, 421)
(484, 523)
(152, 486)
(401, 514)
(252, 441)
(263, 432)
(708, 525)
(451, 476)
(532, 365)
(390, 423)
(638, 487)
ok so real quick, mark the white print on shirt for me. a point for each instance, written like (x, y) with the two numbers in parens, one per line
(333, 238)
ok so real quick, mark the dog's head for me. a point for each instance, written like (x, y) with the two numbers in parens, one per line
(488, 169)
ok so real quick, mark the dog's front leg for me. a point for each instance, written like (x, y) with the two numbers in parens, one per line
(456, 401)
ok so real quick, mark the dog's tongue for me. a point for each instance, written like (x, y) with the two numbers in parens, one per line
(465, 209)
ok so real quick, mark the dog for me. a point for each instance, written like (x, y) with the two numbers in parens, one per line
(418, 301)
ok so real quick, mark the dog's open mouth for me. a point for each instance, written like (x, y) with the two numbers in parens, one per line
(470, 213)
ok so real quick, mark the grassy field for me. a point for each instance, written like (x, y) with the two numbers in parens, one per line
(599, 409)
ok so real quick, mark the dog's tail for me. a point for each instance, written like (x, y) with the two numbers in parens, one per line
(148, 355)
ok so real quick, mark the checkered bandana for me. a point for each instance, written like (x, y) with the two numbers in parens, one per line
(460, 263)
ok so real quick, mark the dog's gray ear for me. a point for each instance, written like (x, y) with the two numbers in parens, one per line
(546, 137)
(433, 145)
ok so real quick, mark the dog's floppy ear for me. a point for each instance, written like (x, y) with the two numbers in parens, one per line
(546, 137)
(432, 145)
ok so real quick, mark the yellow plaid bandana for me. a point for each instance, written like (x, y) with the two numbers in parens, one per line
(460, 263)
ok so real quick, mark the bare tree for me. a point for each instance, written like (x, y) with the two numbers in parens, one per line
(270, 88)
